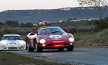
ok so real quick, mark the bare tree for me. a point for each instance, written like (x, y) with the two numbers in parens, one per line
(99, 4)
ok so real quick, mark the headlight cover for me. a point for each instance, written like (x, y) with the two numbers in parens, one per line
(3, 42)
(22, 42)
(71, 39)
(42, 41)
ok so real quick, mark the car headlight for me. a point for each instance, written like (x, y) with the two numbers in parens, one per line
(3, 42)
(71, 39)
(42, 41)
(22, 42)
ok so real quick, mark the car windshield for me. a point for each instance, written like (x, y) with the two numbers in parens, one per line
(11, 38)
(51, 31)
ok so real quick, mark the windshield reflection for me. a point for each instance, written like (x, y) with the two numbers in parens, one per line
(51, 31)
(11, 38)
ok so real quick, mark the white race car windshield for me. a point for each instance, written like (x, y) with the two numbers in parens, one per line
(11, 38)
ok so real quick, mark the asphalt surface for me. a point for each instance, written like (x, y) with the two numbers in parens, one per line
(83, 56)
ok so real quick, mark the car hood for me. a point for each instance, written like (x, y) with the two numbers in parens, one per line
(11, 41)
(55, 37)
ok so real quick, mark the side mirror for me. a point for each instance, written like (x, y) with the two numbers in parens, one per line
(67, 30)
(36, 32)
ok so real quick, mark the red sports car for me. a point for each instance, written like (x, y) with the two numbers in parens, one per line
(50, 38)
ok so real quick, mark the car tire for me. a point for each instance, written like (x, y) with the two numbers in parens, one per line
(61, 49)
(26, 43)
(38, 49)
(70, 48)
(30, 49)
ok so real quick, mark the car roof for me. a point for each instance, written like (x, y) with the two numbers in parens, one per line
(45, 27)
(11, 35)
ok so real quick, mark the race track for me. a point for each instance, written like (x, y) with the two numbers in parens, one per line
(83, 56)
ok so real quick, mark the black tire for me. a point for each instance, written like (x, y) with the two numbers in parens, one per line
(26, 43)
(61, 49)
(30, 49)
(70, 48)
(26, 46)
(38, 49)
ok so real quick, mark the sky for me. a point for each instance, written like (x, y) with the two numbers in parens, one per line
(36, 4)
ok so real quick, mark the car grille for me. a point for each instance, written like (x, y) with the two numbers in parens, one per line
(58, 41)
(66, 44)
(58, 44)
(12, 47)
(49, 45)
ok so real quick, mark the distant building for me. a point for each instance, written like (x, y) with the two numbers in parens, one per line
(92, 19)
(34, 24)
(62, 21)
(78, 20)
(43, 22)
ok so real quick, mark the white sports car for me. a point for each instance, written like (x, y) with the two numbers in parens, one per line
(12, 42)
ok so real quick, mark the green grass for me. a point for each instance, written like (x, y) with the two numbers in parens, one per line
(7, 58)
(92, 39)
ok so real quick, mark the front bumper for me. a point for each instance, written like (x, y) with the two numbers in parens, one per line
(55, 46)
(13, 48)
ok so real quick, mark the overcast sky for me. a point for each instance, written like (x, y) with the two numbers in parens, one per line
(36, 4)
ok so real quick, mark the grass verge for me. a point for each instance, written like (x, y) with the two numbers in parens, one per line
(92, 39)
(7, 58)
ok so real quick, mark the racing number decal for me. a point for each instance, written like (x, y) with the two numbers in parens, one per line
(55, 36)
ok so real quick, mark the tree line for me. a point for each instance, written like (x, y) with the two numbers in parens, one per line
(13, 23)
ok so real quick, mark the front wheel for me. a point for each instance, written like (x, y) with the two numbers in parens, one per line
(30, 49)
(70, 48)
(38, 49)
